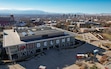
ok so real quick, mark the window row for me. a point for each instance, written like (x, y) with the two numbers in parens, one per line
(52, 42)
(37, 45)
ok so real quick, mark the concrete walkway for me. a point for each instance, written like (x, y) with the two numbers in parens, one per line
(16, 66)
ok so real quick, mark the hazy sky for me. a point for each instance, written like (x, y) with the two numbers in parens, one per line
(59, 6)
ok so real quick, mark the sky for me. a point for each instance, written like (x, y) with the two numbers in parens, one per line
(59, 6)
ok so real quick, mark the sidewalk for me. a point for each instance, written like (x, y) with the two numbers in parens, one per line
(16, 66)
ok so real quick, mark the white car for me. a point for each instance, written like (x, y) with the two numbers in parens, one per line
(42, 67)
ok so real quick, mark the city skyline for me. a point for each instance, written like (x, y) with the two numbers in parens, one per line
(58, 6)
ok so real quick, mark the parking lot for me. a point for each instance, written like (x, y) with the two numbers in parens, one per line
(54, 59)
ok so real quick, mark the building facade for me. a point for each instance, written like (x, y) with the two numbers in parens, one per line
(7, 20)
(19, 47)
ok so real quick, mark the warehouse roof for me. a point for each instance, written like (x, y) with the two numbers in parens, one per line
(12, 37)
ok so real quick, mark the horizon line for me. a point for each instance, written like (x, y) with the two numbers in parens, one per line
(31, 9)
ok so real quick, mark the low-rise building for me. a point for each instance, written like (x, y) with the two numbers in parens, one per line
(23, 42)
(86, 30)
(71, 27)
(87, 24)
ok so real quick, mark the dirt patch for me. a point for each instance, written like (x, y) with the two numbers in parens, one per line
(106, 36)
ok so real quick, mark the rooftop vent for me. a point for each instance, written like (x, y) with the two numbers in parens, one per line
(24, 34)
(42, 29)
(30, 32)
(33, 29)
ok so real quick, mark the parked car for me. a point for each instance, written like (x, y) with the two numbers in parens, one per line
(42, 67)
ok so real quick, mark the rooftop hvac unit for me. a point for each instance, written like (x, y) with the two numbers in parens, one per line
(30, 32)
(33, 29)
(24, 34)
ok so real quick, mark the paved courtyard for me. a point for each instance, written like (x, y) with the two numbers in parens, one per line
(54, 59)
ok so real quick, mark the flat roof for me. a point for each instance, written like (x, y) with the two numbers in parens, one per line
(40, 32)
(37, 33)
(11, 38)
(87, 23)
(24, 32)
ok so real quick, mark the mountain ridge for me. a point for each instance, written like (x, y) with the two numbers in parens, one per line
(13, 11)
(22, 12)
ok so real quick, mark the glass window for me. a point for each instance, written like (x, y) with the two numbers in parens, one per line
(30, 45)
(22, 47)
(38, 45)
(13, 49)
(63, 40)
(45, 43)
(51, 42)
(57, 41)
(68, 39)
